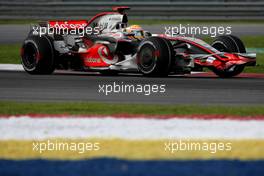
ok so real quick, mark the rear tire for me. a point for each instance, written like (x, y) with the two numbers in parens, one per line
(154, 56)
(231, 44)
(37, 55)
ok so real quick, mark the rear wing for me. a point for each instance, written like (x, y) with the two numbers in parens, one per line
(120, 9)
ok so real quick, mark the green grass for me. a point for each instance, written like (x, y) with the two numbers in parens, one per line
(14, 108)
(10, 53)
(150, 21)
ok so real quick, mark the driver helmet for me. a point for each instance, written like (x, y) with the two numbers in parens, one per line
(136, 30)
(133, 27)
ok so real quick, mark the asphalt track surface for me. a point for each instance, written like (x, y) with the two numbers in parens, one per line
(68, 86)
(17, 33)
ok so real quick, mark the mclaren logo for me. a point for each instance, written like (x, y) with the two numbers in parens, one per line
(103, 53)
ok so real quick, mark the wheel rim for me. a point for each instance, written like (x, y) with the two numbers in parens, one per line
(29, 57)
(147, 58)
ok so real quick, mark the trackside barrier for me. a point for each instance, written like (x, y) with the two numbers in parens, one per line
(140, 9)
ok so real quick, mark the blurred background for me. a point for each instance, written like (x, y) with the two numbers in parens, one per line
(141, 9)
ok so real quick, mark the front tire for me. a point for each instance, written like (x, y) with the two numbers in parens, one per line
(231, 44)
(154, 56)
(37, 55)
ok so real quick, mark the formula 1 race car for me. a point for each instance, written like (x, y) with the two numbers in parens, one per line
(106, 44)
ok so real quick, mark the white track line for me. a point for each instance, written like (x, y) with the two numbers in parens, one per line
(11, 67)
(42, 128)
(19, 67)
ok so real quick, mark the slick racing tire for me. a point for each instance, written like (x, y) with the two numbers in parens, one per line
(37, 55)
(154, 56)
(232, 44)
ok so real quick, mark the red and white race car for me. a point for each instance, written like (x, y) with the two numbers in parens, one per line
(108, 45)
